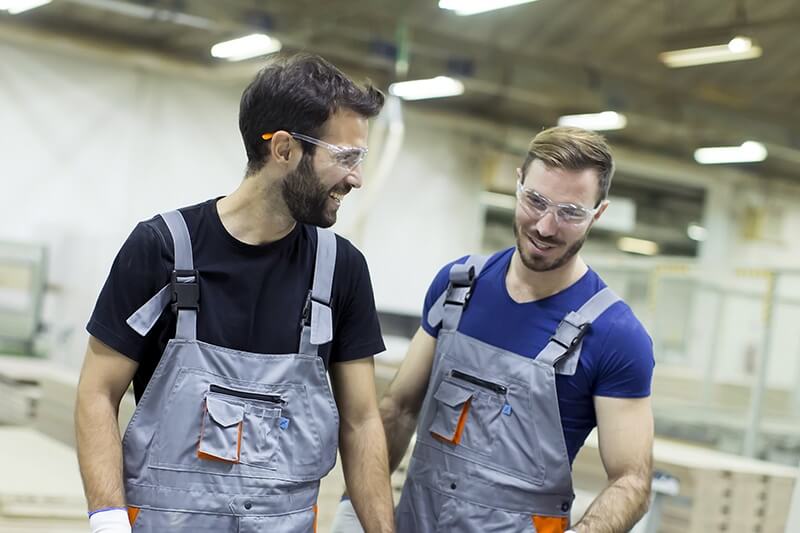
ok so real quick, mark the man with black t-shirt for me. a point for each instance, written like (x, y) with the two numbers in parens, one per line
(226, 316)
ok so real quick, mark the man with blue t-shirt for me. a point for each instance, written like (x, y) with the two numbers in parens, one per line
(520, 355)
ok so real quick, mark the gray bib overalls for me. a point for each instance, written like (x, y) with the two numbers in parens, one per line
(490, 454)
(230, 441)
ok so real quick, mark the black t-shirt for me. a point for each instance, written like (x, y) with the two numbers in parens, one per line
(251, 297)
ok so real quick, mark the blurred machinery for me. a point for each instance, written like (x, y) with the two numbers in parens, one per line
(23, 270)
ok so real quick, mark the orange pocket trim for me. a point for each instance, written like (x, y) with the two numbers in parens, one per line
(239, 442)
(133, 512)
(462, 421)
(210, 457)
(316, 515)
(550, 524)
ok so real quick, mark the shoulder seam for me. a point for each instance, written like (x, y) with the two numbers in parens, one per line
(161, 239)
(492, 259)
(159, 233)
(611, 326)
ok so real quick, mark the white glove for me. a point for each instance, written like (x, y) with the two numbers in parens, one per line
(345, 519)
(110, 521)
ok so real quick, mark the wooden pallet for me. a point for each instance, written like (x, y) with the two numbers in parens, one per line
(719, 492)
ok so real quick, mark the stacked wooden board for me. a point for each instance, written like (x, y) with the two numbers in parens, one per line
(718, 492)
(19, 388)
(41, 393)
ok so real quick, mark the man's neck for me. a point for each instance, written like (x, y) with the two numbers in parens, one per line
(255, 213)
(526, 285)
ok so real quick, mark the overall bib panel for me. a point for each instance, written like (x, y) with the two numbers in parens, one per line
(490, 452)
(226, 440)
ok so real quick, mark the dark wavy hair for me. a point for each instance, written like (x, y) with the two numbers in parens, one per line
(298, 94)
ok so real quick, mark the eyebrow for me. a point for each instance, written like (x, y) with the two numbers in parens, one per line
(572, 204)
(344, 146)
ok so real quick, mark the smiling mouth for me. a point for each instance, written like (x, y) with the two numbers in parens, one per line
(541, 245)
(337, 197)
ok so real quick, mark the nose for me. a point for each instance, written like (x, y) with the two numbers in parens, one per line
(547, 225)
(354, 178)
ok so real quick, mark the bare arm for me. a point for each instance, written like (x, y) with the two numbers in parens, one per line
(402, 401)
(362, 444)
(105, 377)
(625, 433)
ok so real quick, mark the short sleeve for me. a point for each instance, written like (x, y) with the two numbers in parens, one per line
(436, 288)
(626, 367)
(358, 331)
(139, 271)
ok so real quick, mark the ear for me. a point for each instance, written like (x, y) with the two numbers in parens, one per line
(600, 210)
(281, 145)
(520, 177)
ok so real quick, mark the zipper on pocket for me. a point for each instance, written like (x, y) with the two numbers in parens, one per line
(500, 389)
(272, 398)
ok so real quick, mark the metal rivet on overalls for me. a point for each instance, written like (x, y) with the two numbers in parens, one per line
(248, 505)
(565, 506)
(453, 486)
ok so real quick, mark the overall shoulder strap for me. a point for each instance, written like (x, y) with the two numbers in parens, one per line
(182, 291)
(573, 327)
(450, 305)
(317, 319)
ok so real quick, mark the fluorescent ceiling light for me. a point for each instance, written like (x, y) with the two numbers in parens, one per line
(473, 7)
(748, 152)
(607, 120)
(18, 6)
(253, 45)
(696, 232)
(637, 246)
(437, 87)
(737, 49)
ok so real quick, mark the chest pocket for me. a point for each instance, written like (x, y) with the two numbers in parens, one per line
(467, 412)
(486, 421)
(218, 425)
(240, 427)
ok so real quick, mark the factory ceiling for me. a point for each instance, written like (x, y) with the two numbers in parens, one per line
(524, 65)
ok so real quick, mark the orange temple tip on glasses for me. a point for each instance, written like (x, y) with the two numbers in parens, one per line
(267, 136)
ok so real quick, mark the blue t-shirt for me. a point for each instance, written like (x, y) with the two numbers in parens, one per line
(617, 354)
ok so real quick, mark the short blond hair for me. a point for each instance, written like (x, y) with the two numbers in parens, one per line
(571, 148)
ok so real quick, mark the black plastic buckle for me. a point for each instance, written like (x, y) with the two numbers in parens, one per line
(582, 329)
(306, 318)
(456, 292)
(185, 294)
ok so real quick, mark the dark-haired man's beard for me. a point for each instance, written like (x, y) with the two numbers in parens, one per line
(541, 264)
(307, 199)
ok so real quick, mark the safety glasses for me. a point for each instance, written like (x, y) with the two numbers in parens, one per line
(346, 157)
(538, 205)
